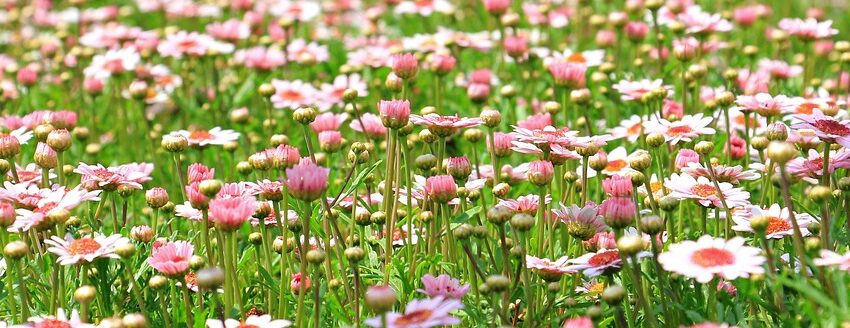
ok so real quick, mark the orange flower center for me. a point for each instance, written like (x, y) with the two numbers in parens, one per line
(704, 190)
(806, 108)
(245, 325)
(83, 246)
(577, 58)
(679, 130)
(712, 257)
(616, 165)
(52, 323)
(776, 224)
(200, 135)
(291, 95)
(634, 129)
(604, 258)
(655, 186)
(413, 317)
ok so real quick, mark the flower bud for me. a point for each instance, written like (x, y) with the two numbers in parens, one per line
(491, 118)
(209, 187)
(777, 132)
(156, 197)
(16, 249)
(630, 245)
(316, 256)
(498, 283)
(134, 320)
(522, 221)
(820, 193)
(174, 143)
(59, 140)
(704, 148)
(305, 115)
(85, 294)
(781, 152)
(354, 254)
(380, 298)
(652, 224)
(613, 294)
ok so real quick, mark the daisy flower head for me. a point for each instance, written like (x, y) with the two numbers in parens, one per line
(765, 104)
(710, 257)
(264, 321)
(810, 168)
(86, 249)
(172, 258)
(201, 138)
(685, 129)
(293, 94)
(371, 125)
(60, 320)
(808, 29)
(634, 90)
(723, 173)
(443, 285)
(779, 223)
(548, 269)
(445, 126)
(702, 190)
(603, 261)
(827, 128)
(831, 259)
(582, 222)
(110, 178)
(421, 313)
(629, 128)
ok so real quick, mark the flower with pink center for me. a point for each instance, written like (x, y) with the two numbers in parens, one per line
(260, 58)
(421, 313)
(302, 52)
(229, 30)
(536, 121)
(405, 65)
(603, 261)
(685, 129)
(634, 90)
(723, 173)
(697, 21)
(371, 125)
(29, 174)
(444, 126)
(549, 136)
(547, 267)
(394, 113)
(779, 220)
(443, 285)
(779, 69)
(110, 178)
(86, 249)
(569, 75)
(829, 258)
(331, 94)
(808, 29)
(293, 94)
(328, 122)
(524, 204)
(827, 128)
(202, 138)
(765, 104)
(198, 172)
(229, 214)
(810, 168)
(172, 258)
(703, 191)
(48, 201)
(298, 281)
(307, 181)
(441, 188)
(671, 108)
(709, 258)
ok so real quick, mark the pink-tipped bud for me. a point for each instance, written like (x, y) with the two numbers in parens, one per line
(394, 113)
(59, 140)
(142, 234)
(380, 298)
(618, 186)
(330, 141)
(93, 86)
(684, 157)
(297, 281)
(496, 7)
(9, 146)
(443, 64)
(636, 31)
(481, 76)
(478, 92)
(459, 167)
(199, 172)
(27, 76)
(196, 197)
(441, 188)
(738, 147)
(156, 197)
(516, 46)
(307, 181)
(502, 143)
(405, 66)
(618, 212)
(570, 75)
(606, 38)
(540, 172)
(45, 157)
(7, 214)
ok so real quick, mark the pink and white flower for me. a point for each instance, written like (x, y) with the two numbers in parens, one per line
(86, 249)
(686, 129)
(702, 190)
(779, 225)
(710, 257)
(202, 138)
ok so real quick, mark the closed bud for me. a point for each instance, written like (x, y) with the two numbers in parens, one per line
(522, 221)
(196, 262)
(209, 187)
(640, 160)
(498, 215)
(704, 148)
(174, 143)
(134, 320)
(630, 245)
(654, 139)
(125, 250)
(781, 152)
(305, 115)
(349, 95)
(255, 238)
(501, 190)
(85, 294)
(59, 140)
(380, 298)
(760, 223)
(157, 282)
(16, 249)
(498, 283)
(613, 295)
(491, 118)
(813, 244)
(266, 90)
(354, 254)
(463, 231)
(652, 224)
(316, 256)
(820, 193)
(759, 142)
(777, 132)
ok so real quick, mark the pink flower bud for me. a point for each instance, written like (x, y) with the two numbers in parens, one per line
(441, 188)
(618, 186)
(686, 156)
(307, 181)
(618, 212)
(515, 46)
(478, 92)
(496, 7)
(540, 172)
(7, 214)
(330, 141)
(459, 167)
(636, 31)
(199, 172)
(443, 64)
(93, 86)
(394, 113)
(570, 75)
(45, 157)
(156, 197)
(405, 66)
(27, 76)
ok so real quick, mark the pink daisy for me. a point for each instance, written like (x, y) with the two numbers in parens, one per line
(444, 286)
(634, 90)
(202, 138)
(110, 178)
(293, 94)
(548, 267)
(711, 257)
(832, 259)
(172, 259)
(827, 128)
(421, 313)
(779, 224)
(685, 129)
(702, 190)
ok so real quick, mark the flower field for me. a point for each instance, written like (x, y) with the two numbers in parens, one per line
(424, 163)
